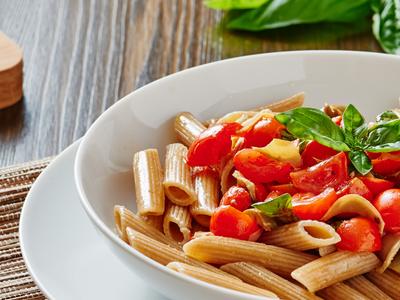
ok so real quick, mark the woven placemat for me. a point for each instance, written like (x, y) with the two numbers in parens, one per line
(15, 182)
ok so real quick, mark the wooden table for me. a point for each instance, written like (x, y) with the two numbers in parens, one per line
(83, 55)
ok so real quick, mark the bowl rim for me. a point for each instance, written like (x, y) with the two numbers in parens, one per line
(126, 99)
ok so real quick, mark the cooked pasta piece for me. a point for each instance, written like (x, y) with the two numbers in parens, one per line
(227, 179)
(124, 218)
(207, 187)
(341, 291)
(220, 280)
(236, 116)
(177, 223)
(155, 221)
(263, 278)
(334, 268)
(302, 235)
(323, 251)
(150, 199)
(395, 265)
(367, 288)
(294, 101)
(388, 282)
(222, 250)
(390, 250)
(178, 183)
(187, 128)
(249, 123)
(244, 182)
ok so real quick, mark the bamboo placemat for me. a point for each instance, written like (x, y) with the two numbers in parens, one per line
(15, 182)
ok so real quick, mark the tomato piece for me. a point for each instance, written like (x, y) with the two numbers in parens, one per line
(312, 207)
(284, 188)
(261, 192)
(387, 163)
(260, 168)
(337, 120)
(328, 173)
(212, 145)
(388, 204)
(237, 197)
(377, 185)
(359, 234)
(263, 132)
(314, 153)
(355, 186)
(229, 222)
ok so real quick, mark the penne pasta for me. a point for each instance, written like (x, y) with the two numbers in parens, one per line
(221, 250)
(206, 185)
(302, 235)
(178, 183)
(334, 268)
(236, 116)
(187, 128)
(148, 176)
(124, 218)
(323, 251)
(294, 101)
(263, 278)
(367, 288)
(155, 221)
(220, 280)
(227, 179)
(341, 291)
(390, 250)
(388, 282)
(395, 265)
(177, 223)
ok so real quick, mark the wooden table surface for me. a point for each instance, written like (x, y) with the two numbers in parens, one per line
(81, 56)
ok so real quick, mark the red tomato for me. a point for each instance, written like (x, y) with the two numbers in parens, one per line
(229, 222)
(387, 163)
(377, 185)
(307, 206)
(355, 186)
(315, 153)
(284, 188)
(359, 234)
(388, 204)
(237, 197)
(261, 192)
(212, 145)
(328, 173)
(260, 168)
(263, 132)
(337, 120)
(272, 195)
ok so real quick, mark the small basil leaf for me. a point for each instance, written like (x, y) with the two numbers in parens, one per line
(234, 4)
(360, 161)
(276, 207)
(352, 119)
(384, 133)
(388, 147)
(361, 132)
(388, 115)
(312, 124)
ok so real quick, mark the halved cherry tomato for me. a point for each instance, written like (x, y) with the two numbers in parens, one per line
(355, 186)
(229, 222)
(307, 206)
(359, 234)
(261, 192)
(314, 153)
(388, 204)
(284, 188)
(212, 145)
(263, 132)
(328, 173)
(260, 168)
(377, 185)
(387, 163)
(237, 197)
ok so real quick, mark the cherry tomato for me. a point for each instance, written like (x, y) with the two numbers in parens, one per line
(212, 145)
(284, 188)
(260, 168)
(315, 153)
(263, 132)
(388, 204)
(272, 195)
(308, 206)
(377, 185)
(328, 173)
(229, 222)
(261, 192)
(359, 234)
(387, 163)
(237, 197)
(355, 186)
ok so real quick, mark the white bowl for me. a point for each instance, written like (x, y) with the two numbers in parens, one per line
(144, 119)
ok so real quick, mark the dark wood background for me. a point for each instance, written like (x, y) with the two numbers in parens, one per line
(81, 56)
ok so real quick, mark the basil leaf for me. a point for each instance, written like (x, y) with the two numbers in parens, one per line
(388, 147)
(386, 24)
(388, 115)
(386, 133)
(360, 161)
(276, 207)
(282, 13)
(234, 4)
(312, 124)
(352, 119)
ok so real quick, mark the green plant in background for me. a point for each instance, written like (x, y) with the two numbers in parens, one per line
(257, 15)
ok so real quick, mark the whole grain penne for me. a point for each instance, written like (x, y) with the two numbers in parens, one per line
(124, 218)
(294, 101)
(395, 264)
(334, 268)
(155, 221)
(263, 278)
(341, 291)
(177, 223)
(367, 288)
(220, 280)
(178, 183)
(227, 179)
(206, 185)
(325, 250)
(390, 250)
(388, 282)
(302, 235)
(222, 250)
(187, 128)
(148, 178)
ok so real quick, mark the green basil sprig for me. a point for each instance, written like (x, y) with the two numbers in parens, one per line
(277, 207)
